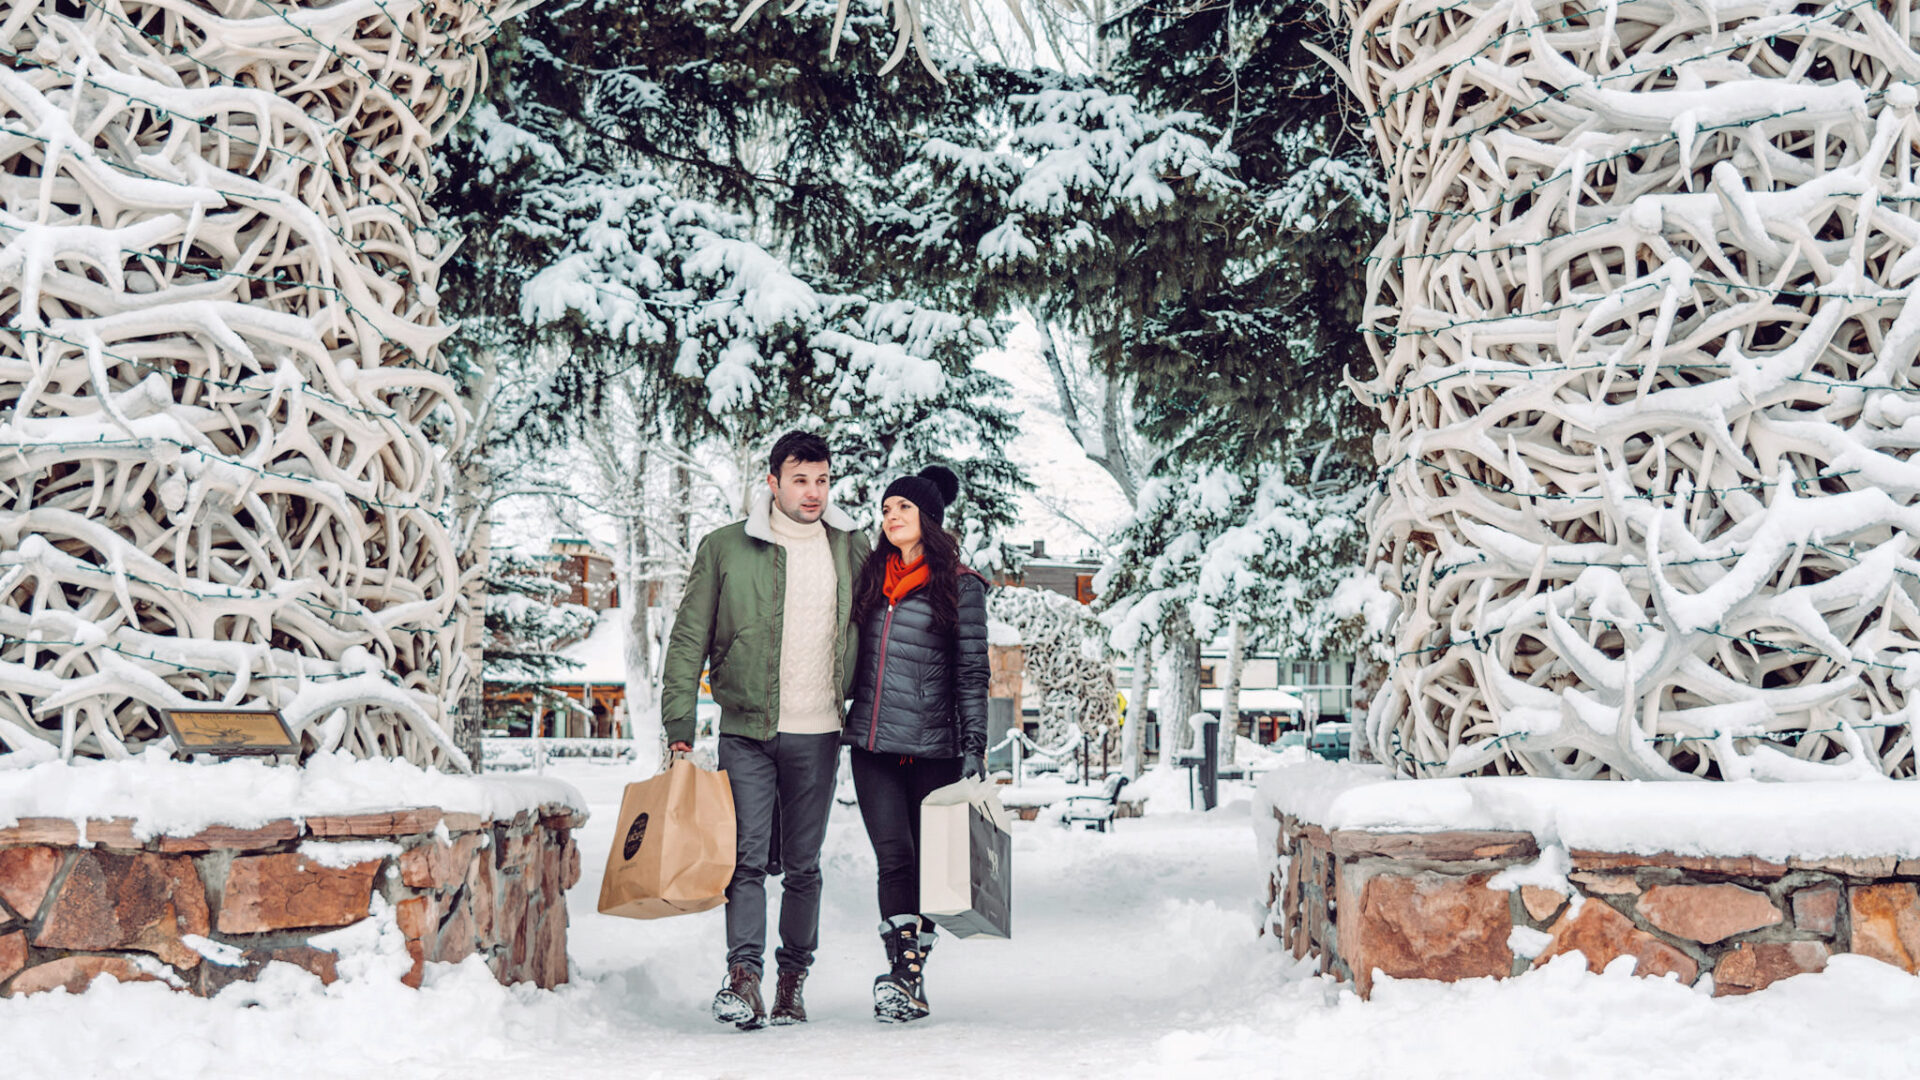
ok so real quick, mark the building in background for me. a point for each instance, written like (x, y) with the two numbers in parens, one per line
(586, 699)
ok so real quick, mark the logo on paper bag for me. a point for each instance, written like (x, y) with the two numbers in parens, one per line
(636, 835)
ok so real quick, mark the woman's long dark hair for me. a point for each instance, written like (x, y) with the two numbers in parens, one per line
(942, 554)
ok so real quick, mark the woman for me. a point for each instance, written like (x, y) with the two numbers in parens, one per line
(919, 716)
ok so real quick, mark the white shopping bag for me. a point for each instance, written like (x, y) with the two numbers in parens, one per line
(966, 860)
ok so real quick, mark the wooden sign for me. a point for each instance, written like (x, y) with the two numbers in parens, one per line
(229, 732)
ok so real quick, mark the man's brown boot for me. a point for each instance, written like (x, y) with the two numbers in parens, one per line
(738, 1002)
(788, 1006)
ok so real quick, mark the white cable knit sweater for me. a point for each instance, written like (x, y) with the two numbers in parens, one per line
(809, 701)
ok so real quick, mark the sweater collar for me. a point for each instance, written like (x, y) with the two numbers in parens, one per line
(786, 528)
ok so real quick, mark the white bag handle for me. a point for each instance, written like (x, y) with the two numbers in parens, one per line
(977, 792)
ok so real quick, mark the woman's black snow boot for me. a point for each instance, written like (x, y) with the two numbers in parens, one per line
(901, 994)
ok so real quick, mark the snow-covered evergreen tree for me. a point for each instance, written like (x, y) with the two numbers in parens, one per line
(527, 622)
(635, 215)
(1247, 359)
(1207, 553)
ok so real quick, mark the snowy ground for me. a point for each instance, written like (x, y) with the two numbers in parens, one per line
(1135, 956)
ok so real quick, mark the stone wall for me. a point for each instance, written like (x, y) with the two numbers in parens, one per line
(203, 911)
(1426, 906)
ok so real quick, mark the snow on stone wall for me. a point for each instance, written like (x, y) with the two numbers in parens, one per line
(218, 481)
(1646, 366)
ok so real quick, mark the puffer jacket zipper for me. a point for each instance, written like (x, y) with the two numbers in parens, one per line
(879, 679)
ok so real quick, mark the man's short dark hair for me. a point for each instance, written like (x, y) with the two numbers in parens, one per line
(801, 446)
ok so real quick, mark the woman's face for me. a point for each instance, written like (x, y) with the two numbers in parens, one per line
(900, 521)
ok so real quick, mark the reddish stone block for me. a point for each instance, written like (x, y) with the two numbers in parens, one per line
(1290, 909)
(216, 977)
(550, 876)
(523, 944)
(58, 831)
(391, 823)
(1869, 867)
(1424, 926)
(550, 964)
(416, 917)
(455, 940)
(1595, 883)
(75, 973)
(1707, 913)
(434, 865)
(25, 875)
(113, 833)
(1601, 934)
(510, 921)
(521, 851)
(1817, 909)
(287, 891)
(223, 838)
(463, 823)
(324, 964)
(1540, 903)
(1730, 865)
(480, 888)
(1751, 967)
(1454, 846)
(144, 902)
(1886, 923)
(570, 866)
(13, 954)
(418, 972)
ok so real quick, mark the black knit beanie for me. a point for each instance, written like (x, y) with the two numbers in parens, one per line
(933, 490)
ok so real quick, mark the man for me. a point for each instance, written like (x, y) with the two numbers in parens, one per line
(767, 615)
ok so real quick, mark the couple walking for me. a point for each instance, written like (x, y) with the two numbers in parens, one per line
(791, 613)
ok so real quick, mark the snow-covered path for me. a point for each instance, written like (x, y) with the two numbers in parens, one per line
(1134, 956)
(1115, 937)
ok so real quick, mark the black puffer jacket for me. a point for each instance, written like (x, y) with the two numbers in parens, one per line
(916, 691)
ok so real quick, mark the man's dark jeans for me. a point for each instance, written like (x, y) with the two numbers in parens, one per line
(796, 774)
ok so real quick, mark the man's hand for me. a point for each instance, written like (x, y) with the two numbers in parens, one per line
(680, 748)
(973, 767)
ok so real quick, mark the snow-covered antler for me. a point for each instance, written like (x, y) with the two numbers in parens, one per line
(217, 363)
(1066, 655)
(1646, 338)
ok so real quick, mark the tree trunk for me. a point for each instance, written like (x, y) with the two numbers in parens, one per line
(470, 496)
(1132, 733)
(1180, 699)
(637, 589)
(1230, 706)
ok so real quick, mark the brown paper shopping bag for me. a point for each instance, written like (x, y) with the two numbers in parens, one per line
(673, 845)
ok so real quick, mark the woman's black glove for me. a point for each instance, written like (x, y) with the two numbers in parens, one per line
(973, 767)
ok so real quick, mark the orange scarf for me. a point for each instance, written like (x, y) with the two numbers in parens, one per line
(903, 579)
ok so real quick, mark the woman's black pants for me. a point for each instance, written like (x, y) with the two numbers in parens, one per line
(890, 788)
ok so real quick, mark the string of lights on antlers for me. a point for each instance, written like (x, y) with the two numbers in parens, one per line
(1645, 365)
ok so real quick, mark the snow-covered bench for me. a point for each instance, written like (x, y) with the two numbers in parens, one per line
(1094, 811)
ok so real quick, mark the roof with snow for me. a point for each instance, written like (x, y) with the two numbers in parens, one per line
(601, 657)
(602, 654)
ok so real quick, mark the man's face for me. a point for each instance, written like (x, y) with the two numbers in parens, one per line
(800, 489)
